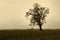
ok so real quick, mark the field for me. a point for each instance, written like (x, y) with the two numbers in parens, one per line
(30, 34)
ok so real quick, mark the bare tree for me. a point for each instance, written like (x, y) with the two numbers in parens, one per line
(38, 15)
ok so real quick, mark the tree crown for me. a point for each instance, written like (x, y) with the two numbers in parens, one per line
(38, 14)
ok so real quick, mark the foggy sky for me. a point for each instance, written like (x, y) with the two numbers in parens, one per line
(12, 13)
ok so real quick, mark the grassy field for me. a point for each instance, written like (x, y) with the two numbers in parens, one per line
(30, 34)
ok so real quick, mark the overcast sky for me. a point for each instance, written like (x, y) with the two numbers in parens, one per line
(12, 13)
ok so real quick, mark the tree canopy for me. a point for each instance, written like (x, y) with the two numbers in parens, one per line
(38, 14)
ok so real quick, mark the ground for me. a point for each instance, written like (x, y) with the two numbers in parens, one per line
(28, 34)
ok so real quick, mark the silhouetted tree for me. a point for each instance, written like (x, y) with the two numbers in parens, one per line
(38, 15)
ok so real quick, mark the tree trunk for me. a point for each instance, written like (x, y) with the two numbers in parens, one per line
(40, 26)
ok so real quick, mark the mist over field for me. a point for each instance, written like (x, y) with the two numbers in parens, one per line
(14, 25)
(12, 14)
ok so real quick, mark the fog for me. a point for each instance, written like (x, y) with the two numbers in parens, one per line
(12, 14)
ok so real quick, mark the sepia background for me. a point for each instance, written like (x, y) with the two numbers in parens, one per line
(12, 14)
